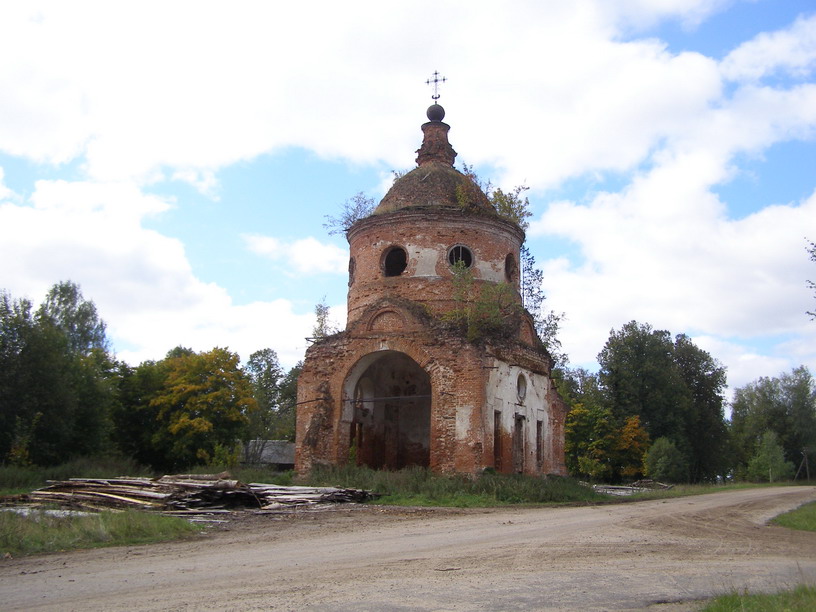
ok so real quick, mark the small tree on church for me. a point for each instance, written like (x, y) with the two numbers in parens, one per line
(357, 207)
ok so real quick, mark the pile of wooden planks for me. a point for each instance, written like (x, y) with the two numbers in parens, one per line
(184, 494)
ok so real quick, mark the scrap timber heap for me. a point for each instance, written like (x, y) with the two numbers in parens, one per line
(183, 494)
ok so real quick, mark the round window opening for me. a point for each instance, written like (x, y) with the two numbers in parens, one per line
(521, 387)
(396, 260)
(462, 254)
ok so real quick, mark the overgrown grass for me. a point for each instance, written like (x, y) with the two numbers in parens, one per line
(802, 518)
(16, 479)
(41, 532)
(266, 475)
(800, 599)
(421, 487)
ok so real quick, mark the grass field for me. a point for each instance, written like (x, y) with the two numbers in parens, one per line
(421, 487)
(41, 531)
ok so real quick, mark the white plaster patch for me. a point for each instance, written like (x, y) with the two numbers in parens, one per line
(463, 423)
(426, 259)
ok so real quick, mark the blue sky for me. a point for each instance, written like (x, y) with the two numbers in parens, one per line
(178, 160)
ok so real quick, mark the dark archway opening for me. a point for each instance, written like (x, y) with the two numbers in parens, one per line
(391, 425)
(396, 260)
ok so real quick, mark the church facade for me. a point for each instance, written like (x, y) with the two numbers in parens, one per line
(439, 364)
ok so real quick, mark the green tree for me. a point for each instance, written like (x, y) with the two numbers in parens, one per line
(675, 388)
(323, 326)
(483, 310)
(580, 386)
(665, 462)
(547, 322)
(56, 378)
(67, 309)
(590, 441)
(785, 405)
(705, 429)
(639, 377)
(205, 401)
(135, 420)
(272, 420)
(768, 463)
(355, 208)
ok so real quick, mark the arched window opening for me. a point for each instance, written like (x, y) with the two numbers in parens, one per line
(396, 260)
(460, 253)
(510, 268)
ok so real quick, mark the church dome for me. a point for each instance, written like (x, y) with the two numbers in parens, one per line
(436, 185)
(435, 182)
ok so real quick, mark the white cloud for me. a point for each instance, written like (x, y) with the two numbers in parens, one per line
(791, 50)
(5, 192)
(204, 181)
(544, 92)
(304, 256)
(140, 280)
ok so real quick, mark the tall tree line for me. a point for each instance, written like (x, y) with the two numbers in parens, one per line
(63, 394)
(670, 386)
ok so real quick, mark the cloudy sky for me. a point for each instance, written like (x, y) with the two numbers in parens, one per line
(178, 159)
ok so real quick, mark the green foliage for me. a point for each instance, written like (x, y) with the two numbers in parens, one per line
(597, 448)
(665, 462)
(77, 318)
(225, 455)
(205, 400)
(800, 599)
(41, 531)
(589, 434)
(323, 325)
(785, 405)
(802, 518)
(768, 464)
(22, 479)
(483, 310)
(420, 486)
(276, 394)
(355, 208)
(546, 323)
(512, 205)
(674, 387)
(56, 379)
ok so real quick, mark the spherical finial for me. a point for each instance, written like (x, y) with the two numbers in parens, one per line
(435, 112)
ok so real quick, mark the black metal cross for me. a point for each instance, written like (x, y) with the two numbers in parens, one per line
(435, 81)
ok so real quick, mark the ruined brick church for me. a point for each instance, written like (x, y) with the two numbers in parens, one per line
(401, 385)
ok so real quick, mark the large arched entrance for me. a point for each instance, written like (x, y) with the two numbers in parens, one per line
(391, 411)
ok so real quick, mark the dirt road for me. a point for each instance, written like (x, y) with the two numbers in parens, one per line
(621, 557)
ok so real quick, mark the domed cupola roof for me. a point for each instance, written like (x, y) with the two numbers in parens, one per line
(435, 182)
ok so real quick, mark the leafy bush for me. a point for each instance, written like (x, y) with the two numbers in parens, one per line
(665, 462)
(768, 464)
